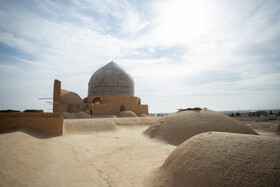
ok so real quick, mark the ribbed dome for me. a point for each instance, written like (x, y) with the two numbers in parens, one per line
(111, 79)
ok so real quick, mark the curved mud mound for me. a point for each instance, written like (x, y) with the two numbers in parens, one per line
(104, 116)
(178, 127)
(81, 114)
(221, 159)
(28, 161)
(21, 155)
(136, 121)
(127, 114)
(66, 115)
(143, 115)
(87, 126)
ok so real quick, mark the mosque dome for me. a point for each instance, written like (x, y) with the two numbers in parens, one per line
(68, 97)
(111, 79)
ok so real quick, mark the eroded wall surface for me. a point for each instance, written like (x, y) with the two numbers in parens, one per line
(56, 95)
(51, 123)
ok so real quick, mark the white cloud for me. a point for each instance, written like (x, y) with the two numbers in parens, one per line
(218, 42)
(12, 41)
(133, 23)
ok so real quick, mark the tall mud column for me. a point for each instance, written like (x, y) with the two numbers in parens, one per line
(56, 95)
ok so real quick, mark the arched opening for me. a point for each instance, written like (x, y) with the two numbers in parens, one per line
(90, 112)
(122, 108)
(97, 100)
(139, 102)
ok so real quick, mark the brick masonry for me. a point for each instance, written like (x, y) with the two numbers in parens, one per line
(51, 123)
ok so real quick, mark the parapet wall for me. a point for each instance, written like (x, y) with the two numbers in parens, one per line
(113, 104)
(51, 123)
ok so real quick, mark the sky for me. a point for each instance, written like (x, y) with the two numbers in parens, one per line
(219, 54)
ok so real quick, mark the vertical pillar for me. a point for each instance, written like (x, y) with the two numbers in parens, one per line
(56, 95)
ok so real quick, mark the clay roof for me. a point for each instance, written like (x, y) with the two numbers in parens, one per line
(68, 97)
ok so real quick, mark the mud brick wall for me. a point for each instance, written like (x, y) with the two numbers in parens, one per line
(51, 123)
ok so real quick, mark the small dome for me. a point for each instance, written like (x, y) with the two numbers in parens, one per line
(111, 79)
(127, 113)
(68, 97)
(178, 127)
(143, 115)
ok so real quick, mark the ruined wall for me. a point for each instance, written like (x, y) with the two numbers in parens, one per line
(51, 123)
(111, 104)
(143, 109)
(56, 95)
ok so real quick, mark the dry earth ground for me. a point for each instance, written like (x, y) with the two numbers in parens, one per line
(113, 157)
(118, 155)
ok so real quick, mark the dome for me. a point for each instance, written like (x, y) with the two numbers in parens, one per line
(178, 127)
(68, 97)
(111, 79)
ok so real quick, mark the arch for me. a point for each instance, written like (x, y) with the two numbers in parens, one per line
(97, 100)
(139, 102)
(85, 100)
(122, 108)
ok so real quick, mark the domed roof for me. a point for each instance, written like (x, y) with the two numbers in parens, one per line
(111, 79)
(68, 97)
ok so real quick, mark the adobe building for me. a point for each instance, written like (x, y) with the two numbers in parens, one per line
(110, 91)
